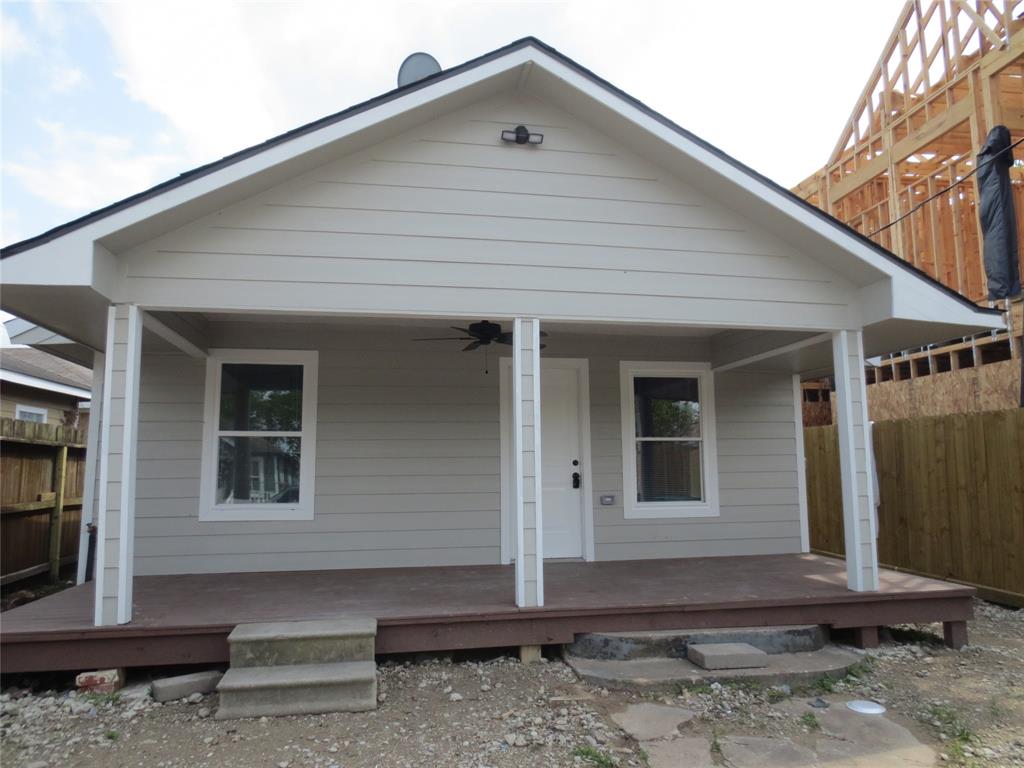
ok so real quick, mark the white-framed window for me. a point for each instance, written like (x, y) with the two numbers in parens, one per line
(30, 413)
(669, 456)
(259, 422)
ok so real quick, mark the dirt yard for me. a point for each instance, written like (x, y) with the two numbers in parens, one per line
(945, 708)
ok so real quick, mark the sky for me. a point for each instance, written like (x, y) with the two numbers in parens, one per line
(102, 100)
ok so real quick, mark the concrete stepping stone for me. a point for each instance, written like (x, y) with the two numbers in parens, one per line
(726, 655)
(692, 752)
(764, 752)
(848, 739)
(647, 722)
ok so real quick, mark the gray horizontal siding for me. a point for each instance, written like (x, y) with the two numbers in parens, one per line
(446, 219)
(758, 494)
(408, 468)
(407, 462)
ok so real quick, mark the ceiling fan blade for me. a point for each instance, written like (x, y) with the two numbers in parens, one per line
(543, 333)
(471, 346)
(461, 330)
(446, 338)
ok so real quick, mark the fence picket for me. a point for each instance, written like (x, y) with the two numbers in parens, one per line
(951, 492)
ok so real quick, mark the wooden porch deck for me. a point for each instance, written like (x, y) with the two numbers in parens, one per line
(186, 619)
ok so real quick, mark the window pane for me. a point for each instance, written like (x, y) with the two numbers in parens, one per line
(261, 397)
(668, 471)
(665, 407)
(258, 470)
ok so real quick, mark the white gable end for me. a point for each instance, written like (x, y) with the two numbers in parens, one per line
(447, 219)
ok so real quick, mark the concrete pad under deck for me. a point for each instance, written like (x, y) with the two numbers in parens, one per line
(672, 643)
(668, 674)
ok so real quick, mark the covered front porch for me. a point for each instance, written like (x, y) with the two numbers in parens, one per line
(185, 619)
(417, 454)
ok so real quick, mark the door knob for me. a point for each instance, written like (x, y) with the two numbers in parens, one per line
(575, 479)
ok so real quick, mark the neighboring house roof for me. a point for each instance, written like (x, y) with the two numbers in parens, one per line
(35, 368)
(759, 179)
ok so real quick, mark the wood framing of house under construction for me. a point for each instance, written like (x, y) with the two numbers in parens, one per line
(950, 71)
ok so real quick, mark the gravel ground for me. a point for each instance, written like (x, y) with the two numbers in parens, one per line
(499, 713)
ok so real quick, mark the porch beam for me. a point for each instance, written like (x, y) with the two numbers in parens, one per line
(92, 447)
(191, 347)
(767, 354)
(526, 448)
(855, 470)
(118, 441)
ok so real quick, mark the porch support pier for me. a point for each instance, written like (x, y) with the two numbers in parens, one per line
(854, 462)
(526, 444)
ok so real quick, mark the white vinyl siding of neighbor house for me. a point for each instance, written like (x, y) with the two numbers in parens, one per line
(447, 220)
(408, 457)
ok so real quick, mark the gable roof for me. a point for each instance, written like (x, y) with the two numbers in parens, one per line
(36, 368)
(772, 187)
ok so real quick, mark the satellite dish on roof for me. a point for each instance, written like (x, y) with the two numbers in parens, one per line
(416, 67)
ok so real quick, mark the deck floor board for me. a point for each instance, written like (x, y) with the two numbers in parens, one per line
(471, 606)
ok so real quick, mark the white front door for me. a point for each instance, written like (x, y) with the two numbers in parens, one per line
(560, 462)
(565, 438)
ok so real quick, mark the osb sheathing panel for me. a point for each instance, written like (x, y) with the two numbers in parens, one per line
(991, 387)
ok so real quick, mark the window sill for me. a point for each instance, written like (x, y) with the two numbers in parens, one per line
(254, 514)
(663, 511)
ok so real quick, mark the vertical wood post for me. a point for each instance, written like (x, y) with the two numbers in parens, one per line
(526, 447)
(119, 437)
(60, 473)
(854, 462)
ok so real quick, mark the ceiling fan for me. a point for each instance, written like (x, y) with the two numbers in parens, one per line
(479, 334)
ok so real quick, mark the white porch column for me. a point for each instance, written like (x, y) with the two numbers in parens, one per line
(118, 443)
(92, 460)
(527, 493)
(855, 469)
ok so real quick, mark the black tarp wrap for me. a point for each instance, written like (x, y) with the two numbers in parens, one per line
(998, 219)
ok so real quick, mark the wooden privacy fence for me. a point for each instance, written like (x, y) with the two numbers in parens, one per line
(42, 474)
(952, 497)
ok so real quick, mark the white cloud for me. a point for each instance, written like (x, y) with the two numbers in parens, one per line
(81, 170)
(742, 78)
(13, 42)
(48, 17)
(64, 79)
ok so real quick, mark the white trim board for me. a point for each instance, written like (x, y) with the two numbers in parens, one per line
(14, 377)
(129, 464)
(582, 366)
(100, 561)
(801, 464)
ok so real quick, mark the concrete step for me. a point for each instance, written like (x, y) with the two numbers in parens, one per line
(725, 655)
(666, 675)
(672, 643)
(302, 642)
(298, 689)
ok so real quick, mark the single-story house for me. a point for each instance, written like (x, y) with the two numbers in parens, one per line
(37, 386)
(497, 356)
